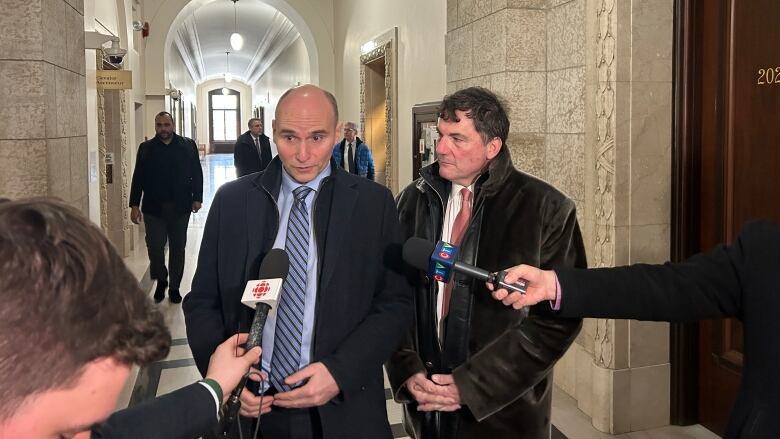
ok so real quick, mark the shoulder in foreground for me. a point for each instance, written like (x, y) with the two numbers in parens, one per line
(762, 230)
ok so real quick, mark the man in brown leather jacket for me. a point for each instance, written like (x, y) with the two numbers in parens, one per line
(471, 368)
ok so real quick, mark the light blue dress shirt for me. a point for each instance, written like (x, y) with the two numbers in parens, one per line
(285, 203)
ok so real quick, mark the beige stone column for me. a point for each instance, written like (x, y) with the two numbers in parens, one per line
(43, 144)
(618, 371)
(588, 83)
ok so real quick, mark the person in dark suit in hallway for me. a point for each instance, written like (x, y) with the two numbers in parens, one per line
(352, 154)
(740, 280)
(447, 371)
(252, 152)
(73, 321)
(346, 301)
(168, 186)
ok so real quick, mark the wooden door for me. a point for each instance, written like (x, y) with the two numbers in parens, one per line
(727, 141)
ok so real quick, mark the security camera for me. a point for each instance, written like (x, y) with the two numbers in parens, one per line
(115, 54)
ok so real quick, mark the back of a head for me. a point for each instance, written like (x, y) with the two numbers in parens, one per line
(68, 299)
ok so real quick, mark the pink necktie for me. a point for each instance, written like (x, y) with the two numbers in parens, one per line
(458, 228)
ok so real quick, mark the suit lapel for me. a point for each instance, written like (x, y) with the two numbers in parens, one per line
(340, 220)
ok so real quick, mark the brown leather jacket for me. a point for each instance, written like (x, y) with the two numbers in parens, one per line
(501, 358)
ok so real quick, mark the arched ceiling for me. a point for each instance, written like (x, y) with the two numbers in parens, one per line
(202, 38)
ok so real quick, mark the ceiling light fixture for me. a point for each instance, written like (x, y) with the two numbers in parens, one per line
(228, 75)
(236, 40)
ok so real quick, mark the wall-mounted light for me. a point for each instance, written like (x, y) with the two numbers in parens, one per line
(236, 40)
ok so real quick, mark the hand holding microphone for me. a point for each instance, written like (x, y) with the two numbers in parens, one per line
(262, 295)
(440, 260)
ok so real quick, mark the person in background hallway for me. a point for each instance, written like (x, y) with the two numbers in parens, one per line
(252, 152)
(739, 281)
(169, 178)
(450, 373)
(352, 154)
(346, 283)
(73, 322)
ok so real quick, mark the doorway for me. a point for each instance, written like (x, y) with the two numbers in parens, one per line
(375, 123)
(725, 169)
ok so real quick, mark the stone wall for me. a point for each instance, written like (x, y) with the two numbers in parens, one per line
(43, 144)
(588, 83)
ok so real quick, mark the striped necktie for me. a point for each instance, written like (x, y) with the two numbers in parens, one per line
(289, 321)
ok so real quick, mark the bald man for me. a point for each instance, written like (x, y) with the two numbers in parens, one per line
(345, 303)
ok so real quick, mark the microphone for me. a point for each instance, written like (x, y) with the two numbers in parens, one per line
(262, 295)
(440, 260)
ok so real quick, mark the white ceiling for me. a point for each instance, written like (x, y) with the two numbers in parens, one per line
(203, 37)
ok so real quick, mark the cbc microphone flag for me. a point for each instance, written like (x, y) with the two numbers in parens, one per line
(262, 290)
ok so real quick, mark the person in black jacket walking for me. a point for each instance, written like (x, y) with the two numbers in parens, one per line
(252, 152)
(169, 178)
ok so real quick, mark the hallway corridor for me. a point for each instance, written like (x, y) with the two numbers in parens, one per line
(178, 369)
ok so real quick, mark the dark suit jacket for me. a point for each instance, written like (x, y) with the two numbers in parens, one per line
(245, 155)
(738, 281)
(152, 173)
(363, 301)
(186, 413)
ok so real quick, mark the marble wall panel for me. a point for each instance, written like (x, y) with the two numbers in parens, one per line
(499, 5)
(650, 243)
(565, 164)
(71, 103)
(526, 94)
(55, 22)
(526, 40)
(584, 379)
(649, 405)
(490, 44)
(527, 152)
(649, 343)
(566, 35)
(50, 98)
(566, 101)
(623, 176)
(652, 23)
(23, 168)
(22, 99)
(79, 167)
(58, 159)
(22, 36)
(459, 53)
(74, 41)
(565, 373)
(78, 5)
(470, 11)
(452, 15)
(527, 4)
(498, 86)
(651, 127)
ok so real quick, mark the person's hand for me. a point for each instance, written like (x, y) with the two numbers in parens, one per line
(196, 205)
(229, 363)
(251, 404)
(319, 389)
(541, 286)
(135, 215)
(431, 396)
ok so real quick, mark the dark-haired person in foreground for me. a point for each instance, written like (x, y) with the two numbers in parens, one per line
(740, 280)
(73, 321)
(452, 372)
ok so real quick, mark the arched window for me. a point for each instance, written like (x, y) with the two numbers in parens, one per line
(224, 120)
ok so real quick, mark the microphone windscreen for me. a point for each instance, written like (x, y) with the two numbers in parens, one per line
(417, 252)
(275, 265)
